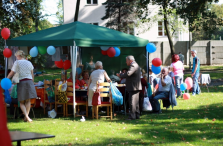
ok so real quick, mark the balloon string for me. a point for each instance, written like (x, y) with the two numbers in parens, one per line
(5, 43)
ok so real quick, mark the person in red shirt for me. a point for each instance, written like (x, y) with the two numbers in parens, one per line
(77, 82)
(85, 76)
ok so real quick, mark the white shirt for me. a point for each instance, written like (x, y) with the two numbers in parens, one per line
(168, 82)
(97, 76)
(24, 68)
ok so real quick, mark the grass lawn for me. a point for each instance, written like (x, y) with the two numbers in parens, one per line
(197, 121)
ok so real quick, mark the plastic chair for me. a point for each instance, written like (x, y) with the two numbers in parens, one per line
(57, 101)
(77, 102)
(46, 101)
(107, 104)
(33, 104)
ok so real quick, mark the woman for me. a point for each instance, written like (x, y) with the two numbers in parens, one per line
(77, 82)
(177, 68)
(25, 88)
(85, 76)
(98, 75)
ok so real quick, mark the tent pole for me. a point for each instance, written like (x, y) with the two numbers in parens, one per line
(6, 66)
(74, 62)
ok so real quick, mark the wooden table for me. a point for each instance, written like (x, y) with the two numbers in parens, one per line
(22, 136)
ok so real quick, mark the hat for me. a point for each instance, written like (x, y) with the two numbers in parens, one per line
(194, 51)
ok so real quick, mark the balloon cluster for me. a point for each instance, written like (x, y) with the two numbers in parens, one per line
(5, 35)
(110, 51)
(156, 62)
(65, 65)
(42, 50)
(187, 85)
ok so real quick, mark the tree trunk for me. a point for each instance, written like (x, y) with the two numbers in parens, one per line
(167, 30)
(37, 16)
(119, 16)
(77, 10)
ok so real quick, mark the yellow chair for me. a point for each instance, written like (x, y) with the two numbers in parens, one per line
(107, 104)
(47, 84)
(57, 101)
(77, 102)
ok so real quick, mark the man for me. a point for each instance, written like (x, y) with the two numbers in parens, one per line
(181, 57)
(133, 86)
(195, 72)
(162, 92)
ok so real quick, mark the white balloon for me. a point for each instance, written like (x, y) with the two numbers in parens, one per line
(104, 48)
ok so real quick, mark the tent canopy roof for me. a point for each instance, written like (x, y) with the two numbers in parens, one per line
(84, 35)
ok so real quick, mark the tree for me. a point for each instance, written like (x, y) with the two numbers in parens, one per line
(216, 31)
(59, 13)
(166, 10)
(120, 14)
(193, 12)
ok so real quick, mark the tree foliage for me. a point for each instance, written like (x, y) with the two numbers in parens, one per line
(22, 17)
(59, 13)
(120, 14)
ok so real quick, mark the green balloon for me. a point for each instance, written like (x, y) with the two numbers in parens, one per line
(42, 50)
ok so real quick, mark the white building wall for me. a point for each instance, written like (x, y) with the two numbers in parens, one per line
(94, 13)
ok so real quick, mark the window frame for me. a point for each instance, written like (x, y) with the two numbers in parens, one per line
(91, 3)
(93, 23)
(163, 29)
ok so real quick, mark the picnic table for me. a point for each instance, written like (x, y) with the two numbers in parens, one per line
(19, 136)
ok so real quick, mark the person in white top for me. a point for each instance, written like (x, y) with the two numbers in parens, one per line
(25, 88)
(177, 68)
(162, 92)
(98, 75)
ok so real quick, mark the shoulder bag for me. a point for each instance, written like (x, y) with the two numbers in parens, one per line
(96, 100)
(15, 78)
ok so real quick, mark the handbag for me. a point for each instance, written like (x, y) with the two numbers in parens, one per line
(62, 97)
(96, 100)
(50, 94)
(15, 78)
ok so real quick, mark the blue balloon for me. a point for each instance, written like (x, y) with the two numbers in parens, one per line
(104, 48)
(183, 86)
(150, 47)
(79, 70)
(33, 52)
(156, 70)
(117, 51)
(51, 50)
(6, 83)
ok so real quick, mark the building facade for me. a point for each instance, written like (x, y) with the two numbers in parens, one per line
(91, 11)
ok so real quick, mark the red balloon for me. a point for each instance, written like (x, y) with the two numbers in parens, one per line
(111, 52)
(157, 62)
(7, 52)
(59, 64)
(67, 64)
(103, 52)
(5, 33)
(186, 96)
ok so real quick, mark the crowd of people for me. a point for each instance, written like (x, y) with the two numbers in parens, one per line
(136, 80)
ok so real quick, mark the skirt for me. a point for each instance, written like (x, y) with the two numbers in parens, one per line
(26, 90)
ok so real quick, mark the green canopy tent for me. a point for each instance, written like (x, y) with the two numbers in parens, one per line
(78, 34)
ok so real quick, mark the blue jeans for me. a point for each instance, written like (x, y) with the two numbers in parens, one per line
(154, 100)
(179, 81)
(196, 88)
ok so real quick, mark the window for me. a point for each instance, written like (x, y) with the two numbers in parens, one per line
(161, 29)
(95, 23)
(92, 2)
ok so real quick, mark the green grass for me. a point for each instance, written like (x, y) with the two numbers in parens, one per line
(197, 121)
(50, 74)
(208, 67)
